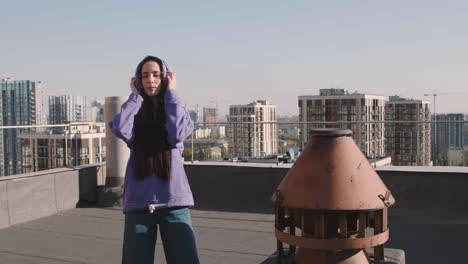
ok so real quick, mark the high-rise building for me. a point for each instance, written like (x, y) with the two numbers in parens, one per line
(21, 104)
(248, 138)
(218, 132)
(408, 143)
(465, 132)
(335, 105)
(448, 134)
(97, 111)
(85, 144)
(68, 108)
(193, 115)
(210, 116)
(455, 156)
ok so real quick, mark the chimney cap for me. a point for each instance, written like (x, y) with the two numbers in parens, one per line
(332, 174)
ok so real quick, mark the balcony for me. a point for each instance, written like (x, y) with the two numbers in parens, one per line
(53, 216)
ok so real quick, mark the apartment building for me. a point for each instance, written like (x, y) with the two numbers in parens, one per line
(337, 105)
(68, 108)
(21, 104)
(84, 144)
(246, 136)
(408, 143)
(448, 134)
(210, 116)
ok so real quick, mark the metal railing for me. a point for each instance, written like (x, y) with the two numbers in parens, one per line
(35, 147)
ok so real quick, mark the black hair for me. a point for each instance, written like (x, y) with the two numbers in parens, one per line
(152, 149)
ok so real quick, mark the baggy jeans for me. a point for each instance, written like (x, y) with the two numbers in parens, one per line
(177, 236)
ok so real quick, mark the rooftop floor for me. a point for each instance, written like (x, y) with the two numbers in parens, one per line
(94, 235)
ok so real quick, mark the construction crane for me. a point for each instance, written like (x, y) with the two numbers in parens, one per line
(434, 117)
(434, 96)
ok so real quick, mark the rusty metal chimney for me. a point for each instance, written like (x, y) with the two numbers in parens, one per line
(332, 195)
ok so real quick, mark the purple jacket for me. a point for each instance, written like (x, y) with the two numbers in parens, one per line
(154, 190)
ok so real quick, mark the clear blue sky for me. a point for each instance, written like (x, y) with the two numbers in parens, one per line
(234, 52)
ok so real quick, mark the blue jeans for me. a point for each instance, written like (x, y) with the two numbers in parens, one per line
(176, 234)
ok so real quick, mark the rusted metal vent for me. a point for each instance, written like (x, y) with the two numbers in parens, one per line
(330, 195)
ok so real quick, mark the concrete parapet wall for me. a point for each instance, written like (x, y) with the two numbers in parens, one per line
(423, 191)
(420, 191)
(26, 197)
(234, 187)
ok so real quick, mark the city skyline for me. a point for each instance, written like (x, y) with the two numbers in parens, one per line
(408, 144)
(261, 50)
(199, 108)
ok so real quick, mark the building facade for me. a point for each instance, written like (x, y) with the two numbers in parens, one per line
(353, 110)
(21, 104)
(205, 149)
(202, 133)
(292, 132)
(408, 143)
(68, 108)
(214, 132)
(96, 112)
(210, 116)
(193, 115)
(449, 134)
(85, 144)
(218, 132)
(456, 156)
(246, 136)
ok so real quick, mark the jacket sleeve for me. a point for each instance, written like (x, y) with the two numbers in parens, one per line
(122, 124)
(178, 124)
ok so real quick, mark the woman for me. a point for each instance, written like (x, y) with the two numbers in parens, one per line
(154, 125)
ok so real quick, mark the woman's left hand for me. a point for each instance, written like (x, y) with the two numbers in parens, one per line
(171, 81)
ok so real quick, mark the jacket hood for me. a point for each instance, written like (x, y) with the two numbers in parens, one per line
(165, 69)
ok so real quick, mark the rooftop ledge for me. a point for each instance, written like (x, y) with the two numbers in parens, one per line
(429, 169)
(239, 164)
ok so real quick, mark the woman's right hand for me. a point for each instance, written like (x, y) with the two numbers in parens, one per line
(133, 86)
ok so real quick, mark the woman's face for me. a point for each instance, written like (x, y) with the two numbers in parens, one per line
(151, 78)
